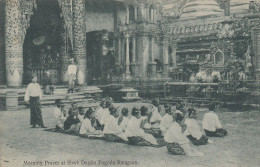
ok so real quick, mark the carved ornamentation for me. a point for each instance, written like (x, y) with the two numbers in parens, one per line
(66, 13)
(79, 44)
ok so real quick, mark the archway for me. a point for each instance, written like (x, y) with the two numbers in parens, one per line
(43, 42)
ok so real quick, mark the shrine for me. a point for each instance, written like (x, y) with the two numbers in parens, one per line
(131, 42)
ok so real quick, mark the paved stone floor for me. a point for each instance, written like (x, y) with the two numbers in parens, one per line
(20, 145)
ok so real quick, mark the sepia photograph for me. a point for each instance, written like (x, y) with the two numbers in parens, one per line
(129, 83)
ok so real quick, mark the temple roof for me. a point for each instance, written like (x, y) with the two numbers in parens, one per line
(201, 8)
(239, 6)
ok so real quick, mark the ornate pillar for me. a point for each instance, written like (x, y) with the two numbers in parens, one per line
(119, 52)
(165, 47)
(127, 61)
(135, 12)
(142, 44)
(152, 63)
(13, 43)
(127, 14)
(141, 12)
(79, 42)
(173, 55)
(256, 48)
(133, 63)
(64, 57)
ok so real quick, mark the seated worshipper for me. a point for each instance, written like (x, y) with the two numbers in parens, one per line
(123, 119)
(193, 130)
(102, 113)
(88, 126)
(81, 113)
(177, 142)
(156, 117)
(60, 115)
(135, 132)
(145, 116)
(211, 123)
(72, 123)
(112, 130)
(166, 121)
(47, 83)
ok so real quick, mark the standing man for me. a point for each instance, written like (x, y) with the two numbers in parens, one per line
(32, 96)
(72, 72)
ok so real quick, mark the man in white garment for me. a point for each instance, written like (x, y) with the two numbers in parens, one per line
(72, 73)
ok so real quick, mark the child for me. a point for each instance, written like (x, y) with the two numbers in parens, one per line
(72, 122)
(112, 130)
(166, 121)
(59, 114)
(193, 130)
(134, 131)
(177, 142)
(211, 123)
(81, 114)
(88, 127)
(123, 120)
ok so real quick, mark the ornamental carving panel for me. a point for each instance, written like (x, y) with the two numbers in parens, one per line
(79, 30)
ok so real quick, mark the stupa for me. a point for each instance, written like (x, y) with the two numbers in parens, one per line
(201, 8)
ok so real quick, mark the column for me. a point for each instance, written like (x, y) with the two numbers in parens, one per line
(64, 56)
(152, 63)
(165, 47)
(133, 64)
(127, 62)
(152, 17)
(119, 52)
(173, 55)
(13, 43)
(147, 13)
(135, 12)
(141, 12)
(142, 48)
(79, 34)
(127, 14)
(256, 42)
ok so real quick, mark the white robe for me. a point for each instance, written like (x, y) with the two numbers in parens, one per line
(134, 129)
(124, 123)
(166, 123)
(112, 127)
(211, 122)
(193, 128)
(102, 114)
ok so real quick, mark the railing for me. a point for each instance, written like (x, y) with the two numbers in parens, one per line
(239, 92)
(40, 73)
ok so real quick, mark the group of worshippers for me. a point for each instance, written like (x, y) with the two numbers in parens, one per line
(177, 127)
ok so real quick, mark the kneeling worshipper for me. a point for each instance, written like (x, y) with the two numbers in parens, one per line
(60, 115)
(72, 123)
(166, 121)
(156, 117)
(145, 116)
(32, 96)
(123, 119)
(88, 126)
(135, 133)
(102, 112)
(177, 142)
(193, 130)
(211, 123)
(112, 130)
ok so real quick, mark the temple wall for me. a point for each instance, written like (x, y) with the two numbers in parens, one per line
(97, 20)
(2, 43)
